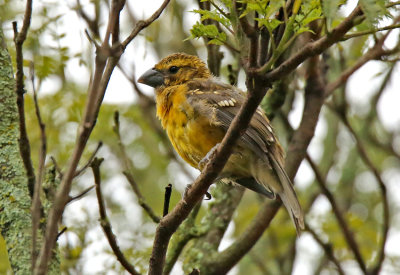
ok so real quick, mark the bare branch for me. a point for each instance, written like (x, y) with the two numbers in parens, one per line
(36, 203)
(375, 52)
(312, 48)
(81, 170)
(167, 197)
(106, 60)
(328, 249)
(82, 194)
(128, 166)
(93, 24)
(58, 169)
(373, 31)
(348, 234)
(24, 145)
(386, 215)
(144, 23)
(142, 201)
(104, 221)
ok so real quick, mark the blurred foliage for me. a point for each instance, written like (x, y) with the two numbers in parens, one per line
(348, 178)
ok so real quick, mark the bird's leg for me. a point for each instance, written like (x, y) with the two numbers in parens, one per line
(206, 159)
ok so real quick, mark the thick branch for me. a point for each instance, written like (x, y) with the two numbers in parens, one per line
(106, 60)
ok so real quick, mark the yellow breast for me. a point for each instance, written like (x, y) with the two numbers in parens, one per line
(190, 133)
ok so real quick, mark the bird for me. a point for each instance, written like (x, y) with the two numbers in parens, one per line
(196, 109)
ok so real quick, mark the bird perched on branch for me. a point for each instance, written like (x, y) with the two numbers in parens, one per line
(196, 110)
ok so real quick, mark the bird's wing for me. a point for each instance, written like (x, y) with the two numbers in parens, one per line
(221, 102)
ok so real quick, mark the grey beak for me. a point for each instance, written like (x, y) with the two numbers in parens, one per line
(152, 78)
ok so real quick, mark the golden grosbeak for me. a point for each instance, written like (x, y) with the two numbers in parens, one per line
(196, 110)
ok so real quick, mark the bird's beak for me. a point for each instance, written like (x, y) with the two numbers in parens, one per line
(152, 78)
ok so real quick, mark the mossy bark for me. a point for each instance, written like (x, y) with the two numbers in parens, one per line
(15, 202)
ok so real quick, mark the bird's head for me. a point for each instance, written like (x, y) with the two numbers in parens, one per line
(175, 69)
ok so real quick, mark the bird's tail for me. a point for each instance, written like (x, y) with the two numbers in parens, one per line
(288, 197)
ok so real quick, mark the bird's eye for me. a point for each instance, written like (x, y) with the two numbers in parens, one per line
(173, 69)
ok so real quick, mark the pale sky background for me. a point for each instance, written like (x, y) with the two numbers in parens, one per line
(361, 86)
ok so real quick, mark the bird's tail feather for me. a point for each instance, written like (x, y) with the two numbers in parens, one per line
(289, 198)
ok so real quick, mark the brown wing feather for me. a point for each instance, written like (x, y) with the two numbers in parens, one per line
(221, 102)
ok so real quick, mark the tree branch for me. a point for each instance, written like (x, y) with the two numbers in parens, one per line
(140, 25)
(104, 221)
(386, 213)
(170, 223)
(128, 167)
(312, 48)
(348, 234)
(167, 198)
(24, 145)
(106, 60)
(36, 202)
(328, 249)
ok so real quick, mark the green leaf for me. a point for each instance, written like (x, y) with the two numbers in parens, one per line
(311, 10)
(213, 15)
(374, 10)
(304, 29)
(270, 24)
(330, 8)
(210, 31)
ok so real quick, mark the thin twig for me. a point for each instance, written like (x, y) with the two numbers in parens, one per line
(83, 193)
(62, 232)
(140, 25)
(84, 167)
(24, 145)
(128, 167)
(373, 31)
(141, 200)
(348, 234)
(328, 249)
(104, 221)
(36, 202)
(386, 215)
(93, 24)
(375, 52)
(167, 197)
(58, 169)
(312, 48)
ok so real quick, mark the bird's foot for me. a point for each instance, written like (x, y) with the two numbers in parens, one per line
(206, 159)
